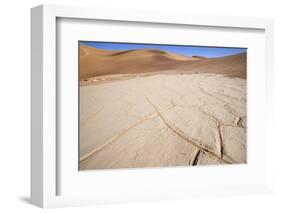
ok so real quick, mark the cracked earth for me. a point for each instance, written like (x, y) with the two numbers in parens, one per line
(163, 120)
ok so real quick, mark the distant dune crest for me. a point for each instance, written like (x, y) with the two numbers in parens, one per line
(199, 57)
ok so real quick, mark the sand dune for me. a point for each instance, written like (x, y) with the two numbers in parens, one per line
(96, 62)
(230, 66)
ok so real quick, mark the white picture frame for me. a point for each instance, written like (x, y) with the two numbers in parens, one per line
(45, 168)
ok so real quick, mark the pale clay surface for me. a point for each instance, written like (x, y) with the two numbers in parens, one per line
(163, 120)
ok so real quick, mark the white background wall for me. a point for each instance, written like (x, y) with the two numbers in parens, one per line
(15, 98)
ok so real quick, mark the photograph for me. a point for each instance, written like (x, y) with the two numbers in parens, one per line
(145, 105)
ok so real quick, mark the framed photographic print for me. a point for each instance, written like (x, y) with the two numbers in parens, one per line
(130, 106)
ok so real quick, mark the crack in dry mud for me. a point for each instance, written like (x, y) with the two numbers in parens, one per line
(194, 160)
(148, 117)
(92, 116)
(217, 121)
(226, 106)
(221, 141)
(231, 97)
(210, 95)
(173, 129)
(116, 137)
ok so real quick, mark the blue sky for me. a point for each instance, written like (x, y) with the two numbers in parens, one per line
(210, 52)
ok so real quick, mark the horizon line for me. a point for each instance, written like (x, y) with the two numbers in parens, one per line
(183, 50)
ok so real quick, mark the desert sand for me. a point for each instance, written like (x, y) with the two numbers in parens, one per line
(193, 114)
(96, 62)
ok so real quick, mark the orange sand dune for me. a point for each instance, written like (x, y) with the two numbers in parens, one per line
(96, 62)
(230, 66)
